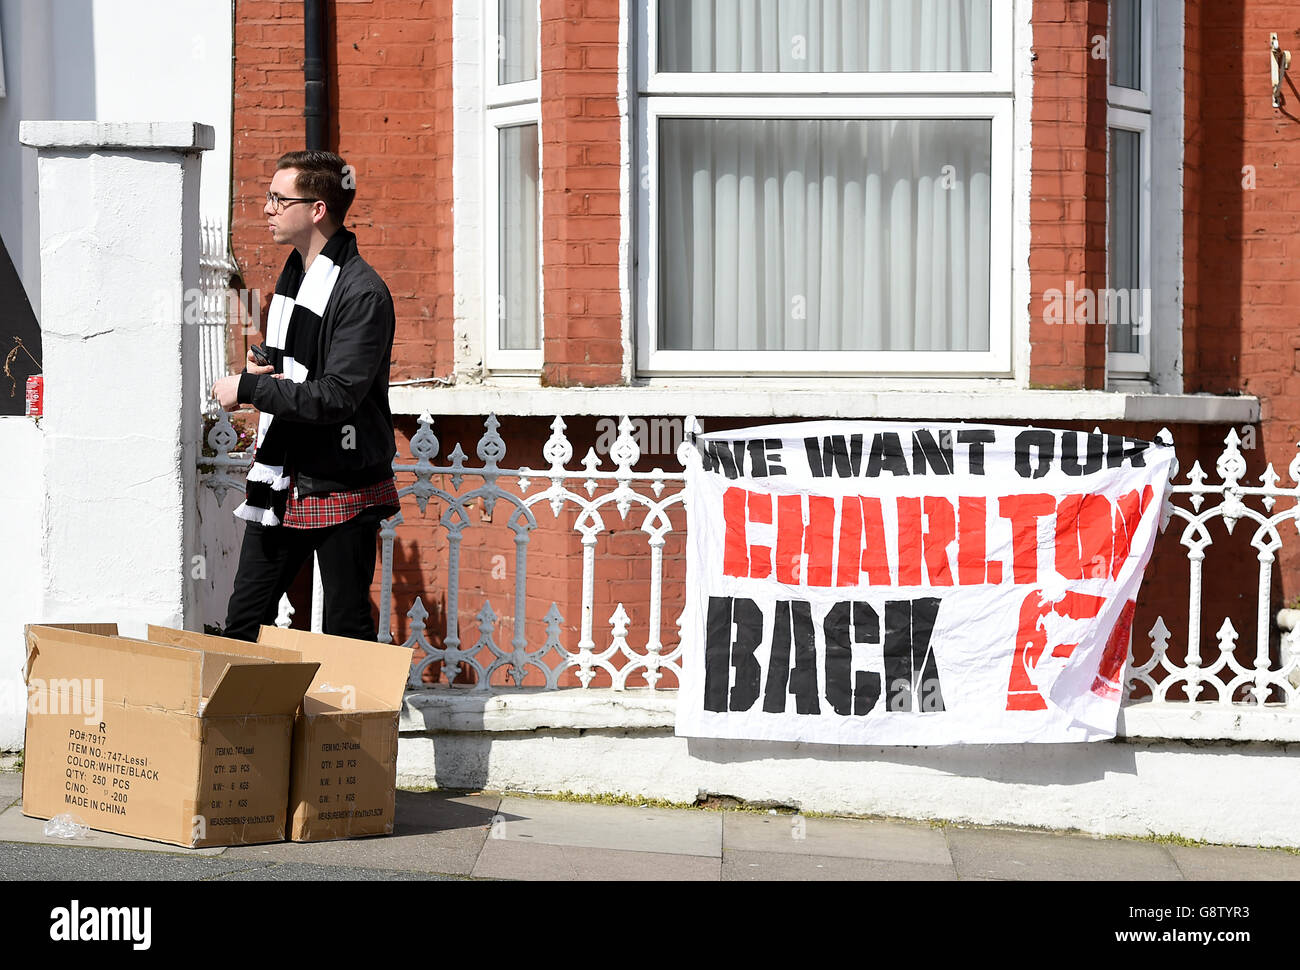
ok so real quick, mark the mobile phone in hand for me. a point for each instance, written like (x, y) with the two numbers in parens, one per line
(260, 354)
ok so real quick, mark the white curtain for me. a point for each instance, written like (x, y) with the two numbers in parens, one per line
(728, 36)
(517, 300)
(836, 234)
(824, 234)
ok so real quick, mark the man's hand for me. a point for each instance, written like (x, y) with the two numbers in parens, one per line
(254, 367)
(226, 392)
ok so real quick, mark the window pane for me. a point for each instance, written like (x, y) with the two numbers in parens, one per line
(1128, 307)
(1125, 47)
(517, 41)
(824, 234)
(799, 36)
(517, 299)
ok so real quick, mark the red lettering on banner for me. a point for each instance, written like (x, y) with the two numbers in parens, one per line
(941, 530)
(760, 557)
(819, 539)
(850, 542)
(1083, 537)
(875, 556)
(1128, 515)
(1024, 512)
(972, 543)
(1093, 538)
(735, 554)
(1031, 641)
(1107, 683)
(909, 542)
(862, 543)
(926, 528)
(1076, 606)
(789, 539)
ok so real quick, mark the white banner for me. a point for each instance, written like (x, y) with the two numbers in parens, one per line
(872, 583)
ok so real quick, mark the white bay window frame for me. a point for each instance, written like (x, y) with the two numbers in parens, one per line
(505, 106)
(1127, 364)
(986, 96)
(1130, 109)
(996, 361)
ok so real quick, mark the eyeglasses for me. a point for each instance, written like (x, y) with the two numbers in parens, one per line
(281, 202)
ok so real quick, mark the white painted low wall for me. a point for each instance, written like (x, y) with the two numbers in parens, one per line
(121, 425)
(22, 495)
(593, 742)
(220, 536)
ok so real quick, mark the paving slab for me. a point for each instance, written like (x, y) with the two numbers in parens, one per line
(518, 859)
(743, 866)
(17, 827)
(1005, 854)
(432, 832)
(11, 788)
(839, 837)
(19, 860)
(296, 872)
(1235, 863)
(617, 827)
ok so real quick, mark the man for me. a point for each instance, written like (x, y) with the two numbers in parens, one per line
(322, 477)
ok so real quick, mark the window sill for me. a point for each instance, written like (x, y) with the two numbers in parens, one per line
(836, 399)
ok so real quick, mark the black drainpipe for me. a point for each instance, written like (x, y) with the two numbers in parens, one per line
(314, 72)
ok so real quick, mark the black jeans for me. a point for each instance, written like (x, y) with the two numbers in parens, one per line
(271, 557)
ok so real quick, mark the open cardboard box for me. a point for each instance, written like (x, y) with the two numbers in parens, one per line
(185, 744)
(343, 781)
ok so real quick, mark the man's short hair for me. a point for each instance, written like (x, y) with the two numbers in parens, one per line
(322, 175)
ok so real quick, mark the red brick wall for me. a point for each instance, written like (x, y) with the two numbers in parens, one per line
(1241, 243)
(389, 64)
(582, 329)
(268, 121)
(1067, 208)
(391, 98)
(1239, 277)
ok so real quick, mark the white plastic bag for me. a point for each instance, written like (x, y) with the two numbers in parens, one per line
(66, 826)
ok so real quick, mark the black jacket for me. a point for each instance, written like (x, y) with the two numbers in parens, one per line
(343, 429)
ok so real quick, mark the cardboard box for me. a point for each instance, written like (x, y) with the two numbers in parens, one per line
(343, 782)
(180, 744)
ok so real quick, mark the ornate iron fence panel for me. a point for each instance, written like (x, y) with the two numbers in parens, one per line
(596, 493)
(1235, 677)
(215, 269)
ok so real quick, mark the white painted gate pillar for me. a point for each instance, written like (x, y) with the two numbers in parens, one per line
(119, 212)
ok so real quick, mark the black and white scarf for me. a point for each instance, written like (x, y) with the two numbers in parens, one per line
(293, 327)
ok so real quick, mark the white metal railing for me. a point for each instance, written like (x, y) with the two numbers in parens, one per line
(215, 269)
(1228, 679)
(618, 488)
(1235, 679)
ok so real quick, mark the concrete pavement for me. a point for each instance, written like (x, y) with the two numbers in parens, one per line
(445, 835)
